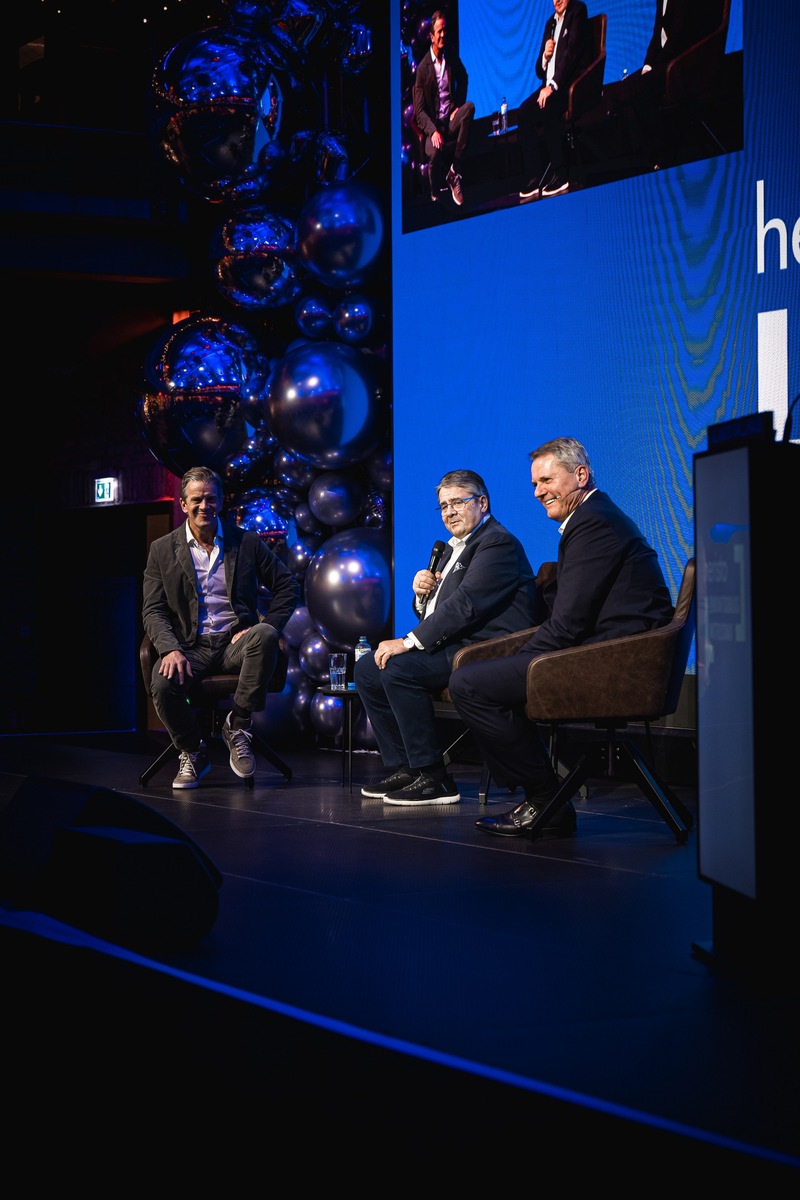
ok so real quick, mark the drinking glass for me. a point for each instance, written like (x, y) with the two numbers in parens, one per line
(338, 672)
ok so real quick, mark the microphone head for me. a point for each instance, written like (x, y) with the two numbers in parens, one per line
(437, 551)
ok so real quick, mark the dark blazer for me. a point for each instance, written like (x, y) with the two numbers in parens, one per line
(170, 608)
(573, 49)
(426, 89)
(609, 580)
(685, 23)
(490, 591)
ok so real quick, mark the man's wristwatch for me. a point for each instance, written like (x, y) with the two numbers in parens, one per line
(409, 642)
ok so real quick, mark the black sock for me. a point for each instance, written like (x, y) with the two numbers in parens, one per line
(437, 771)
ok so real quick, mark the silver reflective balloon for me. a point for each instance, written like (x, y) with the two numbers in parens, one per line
(313, 316)
(340, 233)
(352, 319)
(363, 733)
(314, 654)
(357, 48)
(379, 469)
(254, 259)
(293, 471)
(337, 498)
(203, 394)
(228, 117)
(327, 715)
(299, 627)
(325, 404)
(301, 553)
(307, 522)
(331, 160)
(348, 587)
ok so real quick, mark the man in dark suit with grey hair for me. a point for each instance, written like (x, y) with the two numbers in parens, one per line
(609, 584)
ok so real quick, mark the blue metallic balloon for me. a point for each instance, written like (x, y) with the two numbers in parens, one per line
(314, 653)
(363, 733)
(336, 498)
(331, 160)
(356, 51)
(340, 233)
(299, 627)
(295, 472)
(379, 469)
(301, 553)
(313, 316)
(325, 404)
(352, 319)
(307, 522)
(202, 400)
(254, 259)
(348, 587)
(327, 715)
(226, 115)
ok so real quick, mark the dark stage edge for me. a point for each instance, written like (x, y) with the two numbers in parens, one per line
(320, 892)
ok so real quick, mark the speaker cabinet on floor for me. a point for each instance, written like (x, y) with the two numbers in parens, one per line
(106, 863)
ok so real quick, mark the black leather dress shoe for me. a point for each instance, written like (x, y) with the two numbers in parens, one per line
(519, 822)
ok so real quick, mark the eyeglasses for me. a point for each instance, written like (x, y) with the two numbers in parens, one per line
(456, 504)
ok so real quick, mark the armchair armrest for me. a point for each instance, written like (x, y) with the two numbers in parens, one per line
(499, 647)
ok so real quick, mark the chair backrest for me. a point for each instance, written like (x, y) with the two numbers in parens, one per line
(695, 71)
(633, 678)
(586, 89)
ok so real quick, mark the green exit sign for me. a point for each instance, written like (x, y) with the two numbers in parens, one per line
(105, 490)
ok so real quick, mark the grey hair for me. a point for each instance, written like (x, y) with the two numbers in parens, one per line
(568, 452)
(467, 479)
(202, 475)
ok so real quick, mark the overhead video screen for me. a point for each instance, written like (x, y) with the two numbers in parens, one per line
(631, 311)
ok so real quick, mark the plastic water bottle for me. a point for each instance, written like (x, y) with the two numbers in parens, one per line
(362, 647)
(504, 116)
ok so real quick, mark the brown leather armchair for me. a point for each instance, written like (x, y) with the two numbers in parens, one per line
(586, 89)
(693, 75)
(607, 686)
(212, 697)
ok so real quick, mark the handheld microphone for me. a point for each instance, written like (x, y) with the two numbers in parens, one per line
(437, 551)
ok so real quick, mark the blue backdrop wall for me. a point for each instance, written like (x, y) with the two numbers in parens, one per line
(630, 315)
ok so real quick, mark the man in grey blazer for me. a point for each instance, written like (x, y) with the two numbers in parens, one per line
(201, 612)
(481, 587)
(442, 112)
(609, 584)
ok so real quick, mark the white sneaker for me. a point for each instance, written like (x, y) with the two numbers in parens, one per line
(242, 760)
(194, 766)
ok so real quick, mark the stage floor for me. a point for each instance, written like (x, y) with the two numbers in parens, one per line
(559, 976)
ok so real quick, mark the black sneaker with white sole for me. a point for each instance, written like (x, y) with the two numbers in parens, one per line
(425, 790)
(392, 783)
(556, 186)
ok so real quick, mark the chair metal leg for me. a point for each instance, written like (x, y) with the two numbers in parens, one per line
(156, 766)
(269, 754)
(676, 815)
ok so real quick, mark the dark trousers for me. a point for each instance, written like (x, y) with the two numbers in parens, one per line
(537, 124)
(455, 132)
(252, 656)
(399, 703)
(489, 697)
(638, 99)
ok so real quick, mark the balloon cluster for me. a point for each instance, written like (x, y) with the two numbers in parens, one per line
(282, 388)
(414, 42)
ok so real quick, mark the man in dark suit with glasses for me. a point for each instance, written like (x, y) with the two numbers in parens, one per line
(480, 586)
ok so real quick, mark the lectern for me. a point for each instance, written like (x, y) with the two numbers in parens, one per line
(746, 501)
